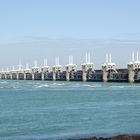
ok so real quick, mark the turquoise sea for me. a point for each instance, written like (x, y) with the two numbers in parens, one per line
(47, 110)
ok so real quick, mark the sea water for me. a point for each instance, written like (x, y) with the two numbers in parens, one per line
(45, 110)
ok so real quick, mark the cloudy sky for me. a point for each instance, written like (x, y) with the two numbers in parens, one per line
(38, 29)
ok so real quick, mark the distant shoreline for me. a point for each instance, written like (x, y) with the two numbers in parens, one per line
(119, 137)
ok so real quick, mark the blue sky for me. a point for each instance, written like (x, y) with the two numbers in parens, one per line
(35, 29)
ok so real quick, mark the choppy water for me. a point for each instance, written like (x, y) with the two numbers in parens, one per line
(60, 110)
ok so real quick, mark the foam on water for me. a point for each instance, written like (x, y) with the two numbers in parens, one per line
(42, 86)
(59, 84)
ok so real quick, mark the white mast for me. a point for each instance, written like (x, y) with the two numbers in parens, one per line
(13, 68)
(106, 58)
(71, 59)
(35, 63)
(45, 62)
(133, 56)
(109, 58)
(27, 66)
(57, 61)
(20, 65)
(137, 56)
(86, 58)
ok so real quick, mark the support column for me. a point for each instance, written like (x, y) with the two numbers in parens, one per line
(56, 68)
(33, 76)
(105, 73)
(69, 68)
(54, 74)
(85, 68)
(43, 71)
(34, 70)
(67, 75)
(84, 73)
(132, 66)
(108, 66)
(88, 65)
(24, 75)
(10, 76)
(26, 70)
(20, 74)
(5, 76)
(42, 76)
(131, 73)
(17, 74)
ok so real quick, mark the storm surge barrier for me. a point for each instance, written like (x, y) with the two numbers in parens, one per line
(108, 73)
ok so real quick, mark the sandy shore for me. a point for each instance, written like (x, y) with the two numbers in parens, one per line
(121, 137)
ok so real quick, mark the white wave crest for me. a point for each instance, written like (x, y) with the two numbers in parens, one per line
(41, 86)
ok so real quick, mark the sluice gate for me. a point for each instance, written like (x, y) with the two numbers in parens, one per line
(76, 76)
(48, 76)
(137, 75)
(121, 75)
(95, 76)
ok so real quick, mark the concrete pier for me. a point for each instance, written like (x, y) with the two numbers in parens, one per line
(44, 71)
(57, 70)
(36, 72)
(27, 73)
(3, 74)
(8, 74)
(108, 69)
(87, 69)
(70, 69)
(19, 71)
(134, 69)
(20, 74)
(14, 74)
